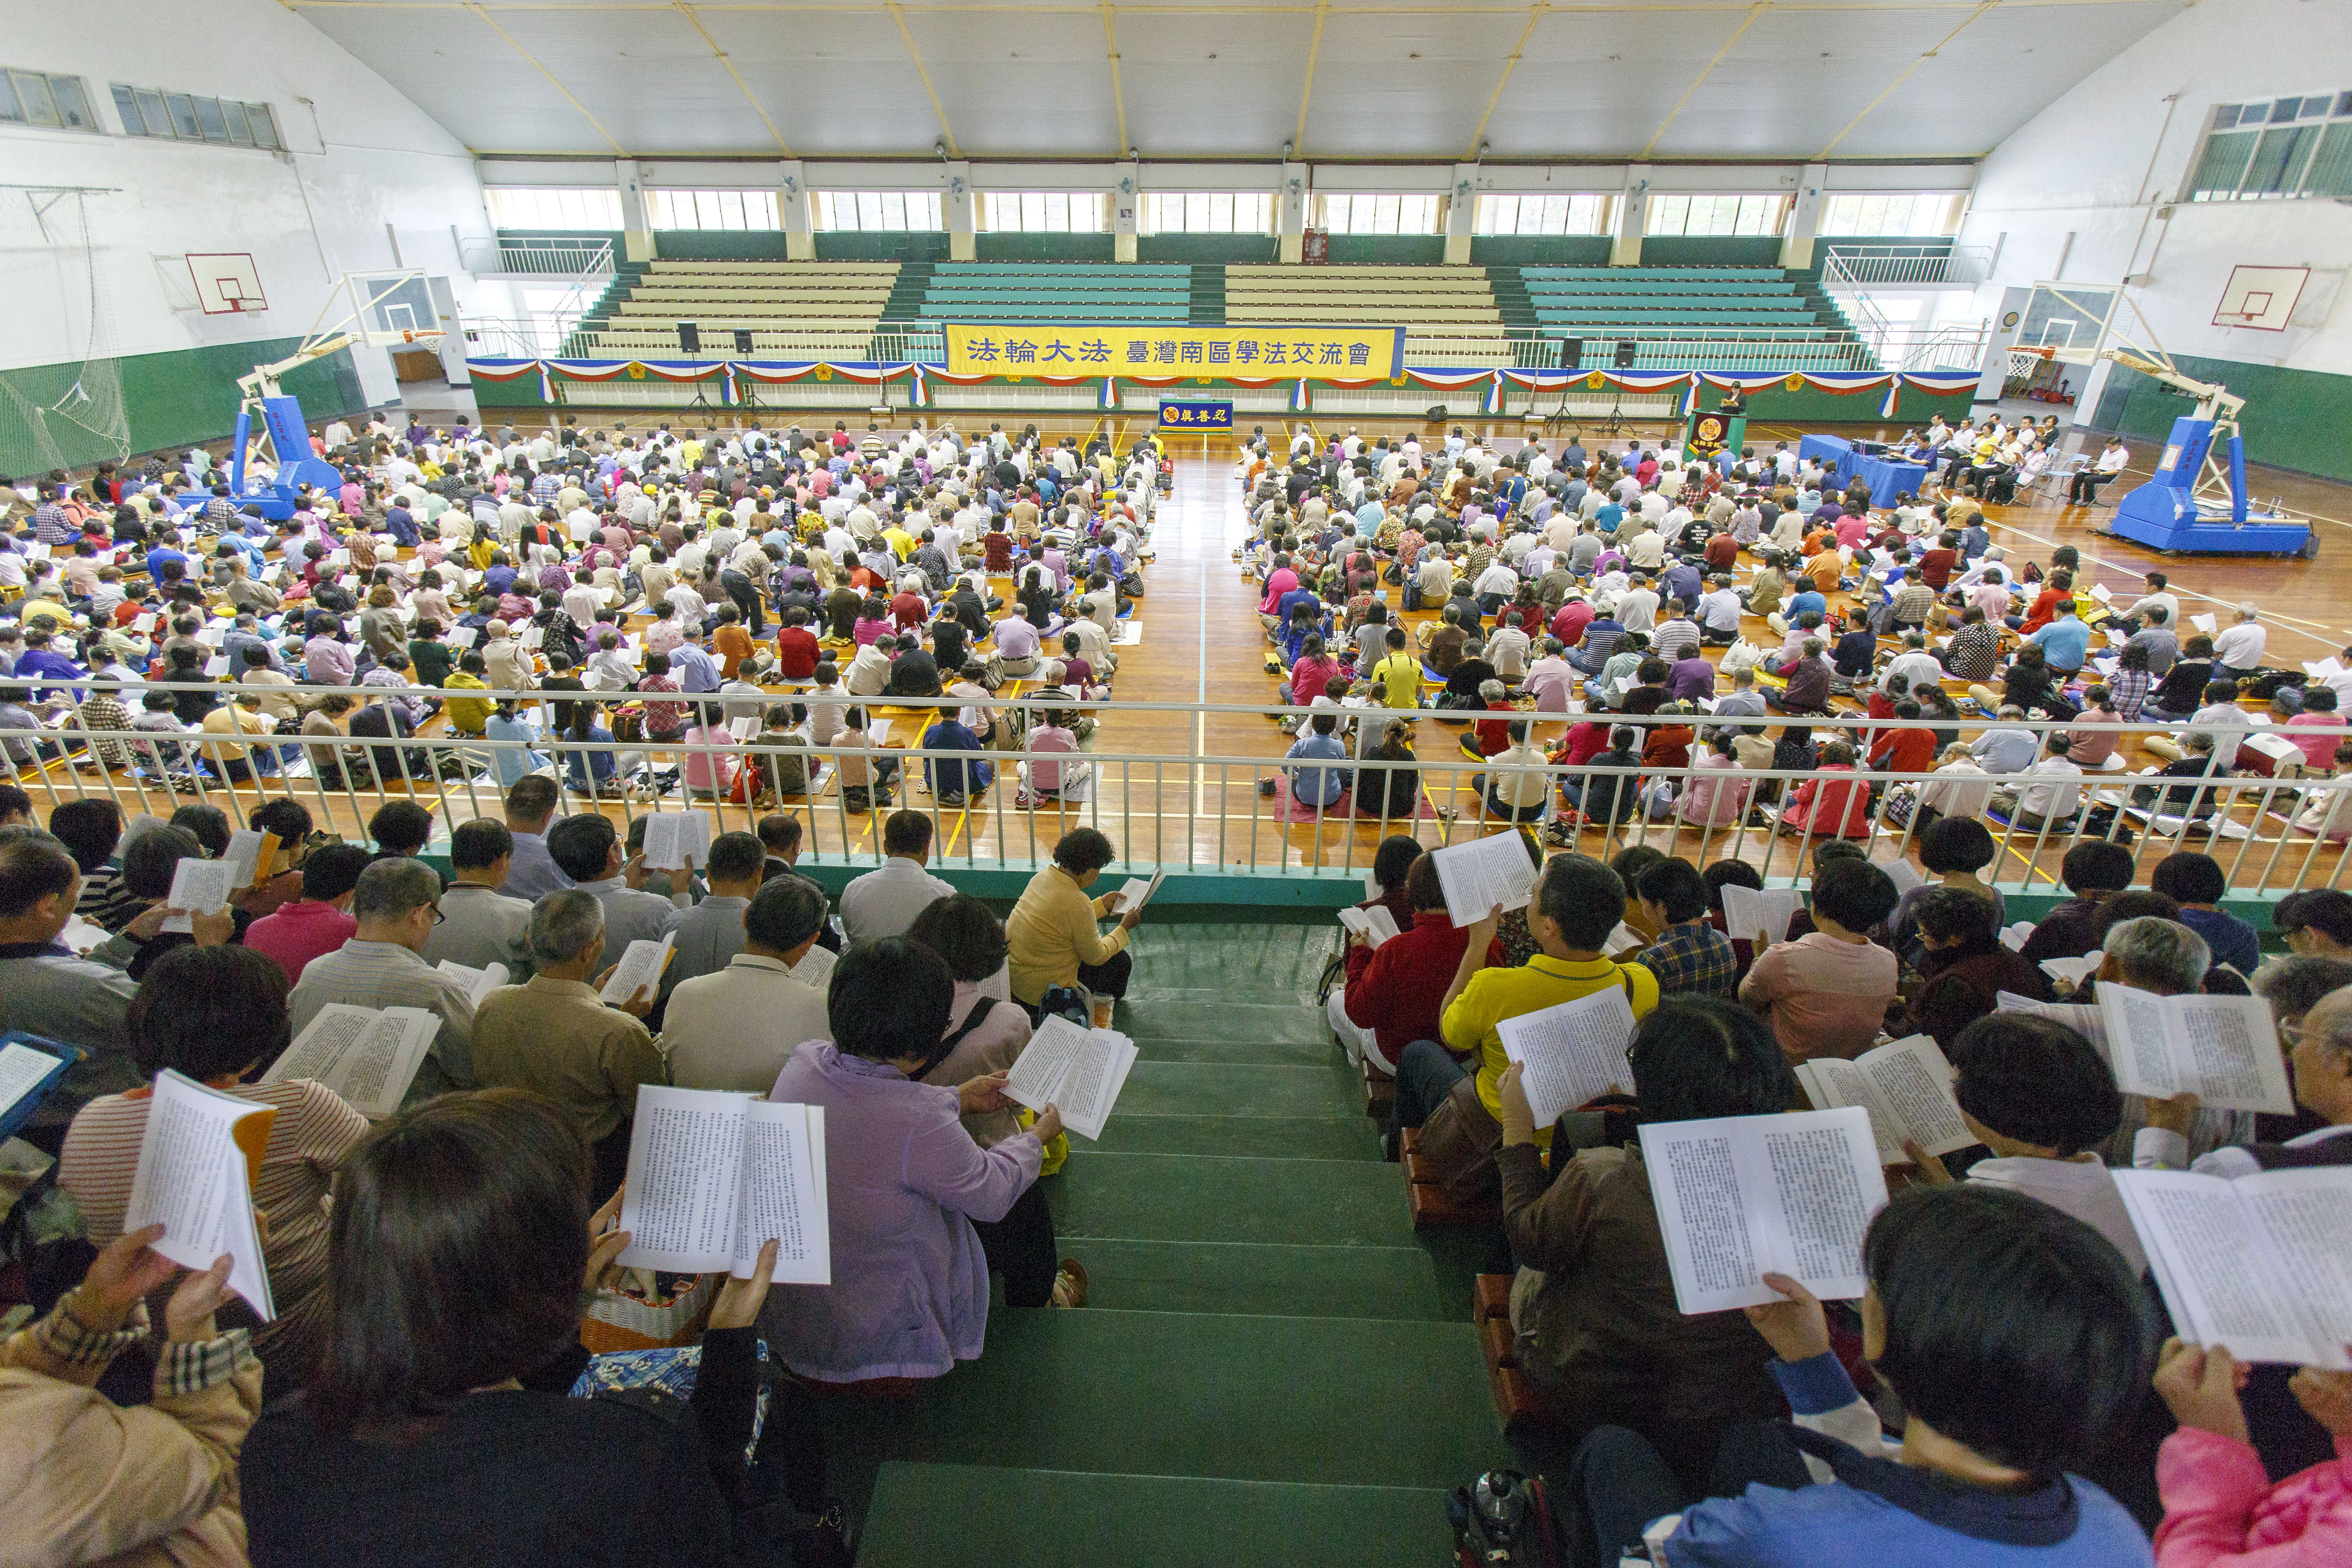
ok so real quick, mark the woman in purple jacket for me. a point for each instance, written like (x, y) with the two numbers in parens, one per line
(921, 1212)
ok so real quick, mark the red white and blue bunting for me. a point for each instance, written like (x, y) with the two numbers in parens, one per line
(732, 373)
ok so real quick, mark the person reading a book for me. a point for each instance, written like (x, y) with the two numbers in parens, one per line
(922, 1215)
(2319, 1064)
(557, 1036)
(2163, 958)
(1593, 1307)
(1456, 1100)
(1963, 965)
(987, 1032)
(1055, 930)
(149, 1484)
(1827, 992)
(1392, 990)
(2220, 1506)
(318, 921)
(2315, 920)
(734, 1028)
(461, 1252)
(2092, 872)
(1688, 955)
(396, 904)
(218, 1014)
(1998, 1406)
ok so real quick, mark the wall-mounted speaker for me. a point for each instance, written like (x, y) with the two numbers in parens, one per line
(1626, 349)
(742, 342)
(689, 338)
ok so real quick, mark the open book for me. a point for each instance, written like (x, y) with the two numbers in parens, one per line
(714, 1177)
(27, 1073)
(2072, 971)
(2014, 937)
(1574, 1053)
(2223, 1050)
(1746, 911)
(640, 968)
(2257, 1263)
(1375, 925)
(478, 983)
(198, 888)
(1906, 1087)
(1738, 1196)
(1484, 875)
(368, 1056)
(678, 840)
(1079, 1070)
(194, 1178)
(1136, 892)
(816, 967)
(1899, 872)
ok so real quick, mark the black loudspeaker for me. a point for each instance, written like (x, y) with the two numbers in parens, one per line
(689, 338)
(1435, 413)
(1571, 353)
(743, 342)
(1626, 349)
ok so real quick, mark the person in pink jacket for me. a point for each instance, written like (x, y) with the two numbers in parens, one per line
(2221, 1509)
(1716, 795)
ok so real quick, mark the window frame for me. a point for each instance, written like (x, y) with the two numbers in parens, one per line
(501, 203)
(1040, 212)
(154, 115)
(1380, 213)
(1752, 214)
(2234, 159)
(1486, 217)
(1151, 210)
(826, 209)
(16, 108)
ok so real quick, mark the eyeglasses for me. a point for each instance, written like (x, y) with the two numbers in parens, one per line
(437, 916)
(2290, 1035)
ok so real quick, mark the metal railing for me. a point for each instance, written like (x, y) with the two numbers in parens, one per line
(1201, 811)
(566, 259)
(1955, 266)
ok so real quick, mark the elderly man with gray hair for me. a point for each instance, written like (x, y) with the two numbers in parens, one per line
(2238, 650)
(398, 903)
(2163, 958)
(556, 1036)
(2319, 1060)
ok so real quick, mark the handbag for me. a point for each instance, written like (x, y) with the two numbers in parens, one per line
(642, 1316)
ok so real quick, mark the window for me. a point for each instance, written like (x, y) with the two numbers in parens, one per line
(563, 208)
(1384, 213)
(184, 117)
(1545, 214)
(888, 211)
(1206, 212)
(36, 98)
(2288, 147)
(1750, 216)
(711, 209)
(1921, 215)
(1041, 212)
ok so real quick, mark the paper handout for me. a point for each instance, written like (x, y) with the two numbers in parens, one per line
(1484, 877)
(1375, 925)
(368, 1057)
(1136, 892)
(640, 968)
(1739, 1196)
(1906, 1087)
(1746, 911)
(1081, 1071)
(194, 1178)
(2223, 1050)
(478, 983)
(26, 1074)
(2258, 1263)
(1574, 1053)
(198, 887)
(713, 1177)
(816, 967)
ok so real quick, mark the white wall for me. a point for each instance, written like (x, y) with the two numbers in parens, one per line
(361, 156)
(2074, 193)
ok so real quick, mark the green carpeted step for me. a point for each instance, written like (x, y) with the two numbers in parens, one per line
(1324, 1401)
(1221, 1088)
(1204, 1198)
(949, 1516)
(1261, 1137)
(1243, 1045)
(1281, 1023)
(1394, 1282)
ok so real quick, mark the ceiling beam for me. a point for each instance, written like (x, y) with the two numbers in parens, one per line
(1117, 92)
(1904, 76)
(947, 131)
(1307, 86)
(1535, 13)
(533, 61)
(686, 10)
(1705, 71)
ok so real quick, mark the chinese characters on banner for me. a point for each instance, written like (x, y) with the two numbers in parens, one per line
(1196, 415)
(1169, 349)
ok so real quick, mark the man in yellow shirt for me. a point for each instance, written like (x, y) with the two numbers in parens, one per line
(1398, 673)
(1578, 902)
(1055, 932)
(468, 716)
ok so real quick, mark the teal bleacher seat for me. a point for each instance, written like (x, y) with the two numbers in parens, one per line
(1048, 292)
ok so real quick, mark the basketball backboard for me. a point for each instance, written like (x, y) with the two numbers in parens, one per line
(227, 283)
(390, 308)
(2262, 297)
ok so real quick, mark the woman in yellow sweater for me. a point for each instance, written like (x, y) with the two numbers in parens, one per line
(1054, 931)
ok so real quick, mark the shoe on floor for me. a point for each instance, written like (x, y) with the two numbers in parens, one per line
(1070, 1284)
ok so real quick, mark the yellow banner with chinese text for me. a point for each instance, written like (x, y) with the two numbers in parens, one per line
(1155, 348)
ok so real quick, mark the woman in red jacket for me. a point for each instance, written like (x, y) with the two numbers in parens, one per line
(1834, 803)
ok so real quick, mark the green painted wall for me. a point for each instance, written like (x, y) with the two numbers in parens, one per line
(1215, 250)
(1386, 249)
(1042, 247)
(858, 245)
(2293, 418)
(720, 245)
(170, 400)
(1540, 250)
(1709, 250)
